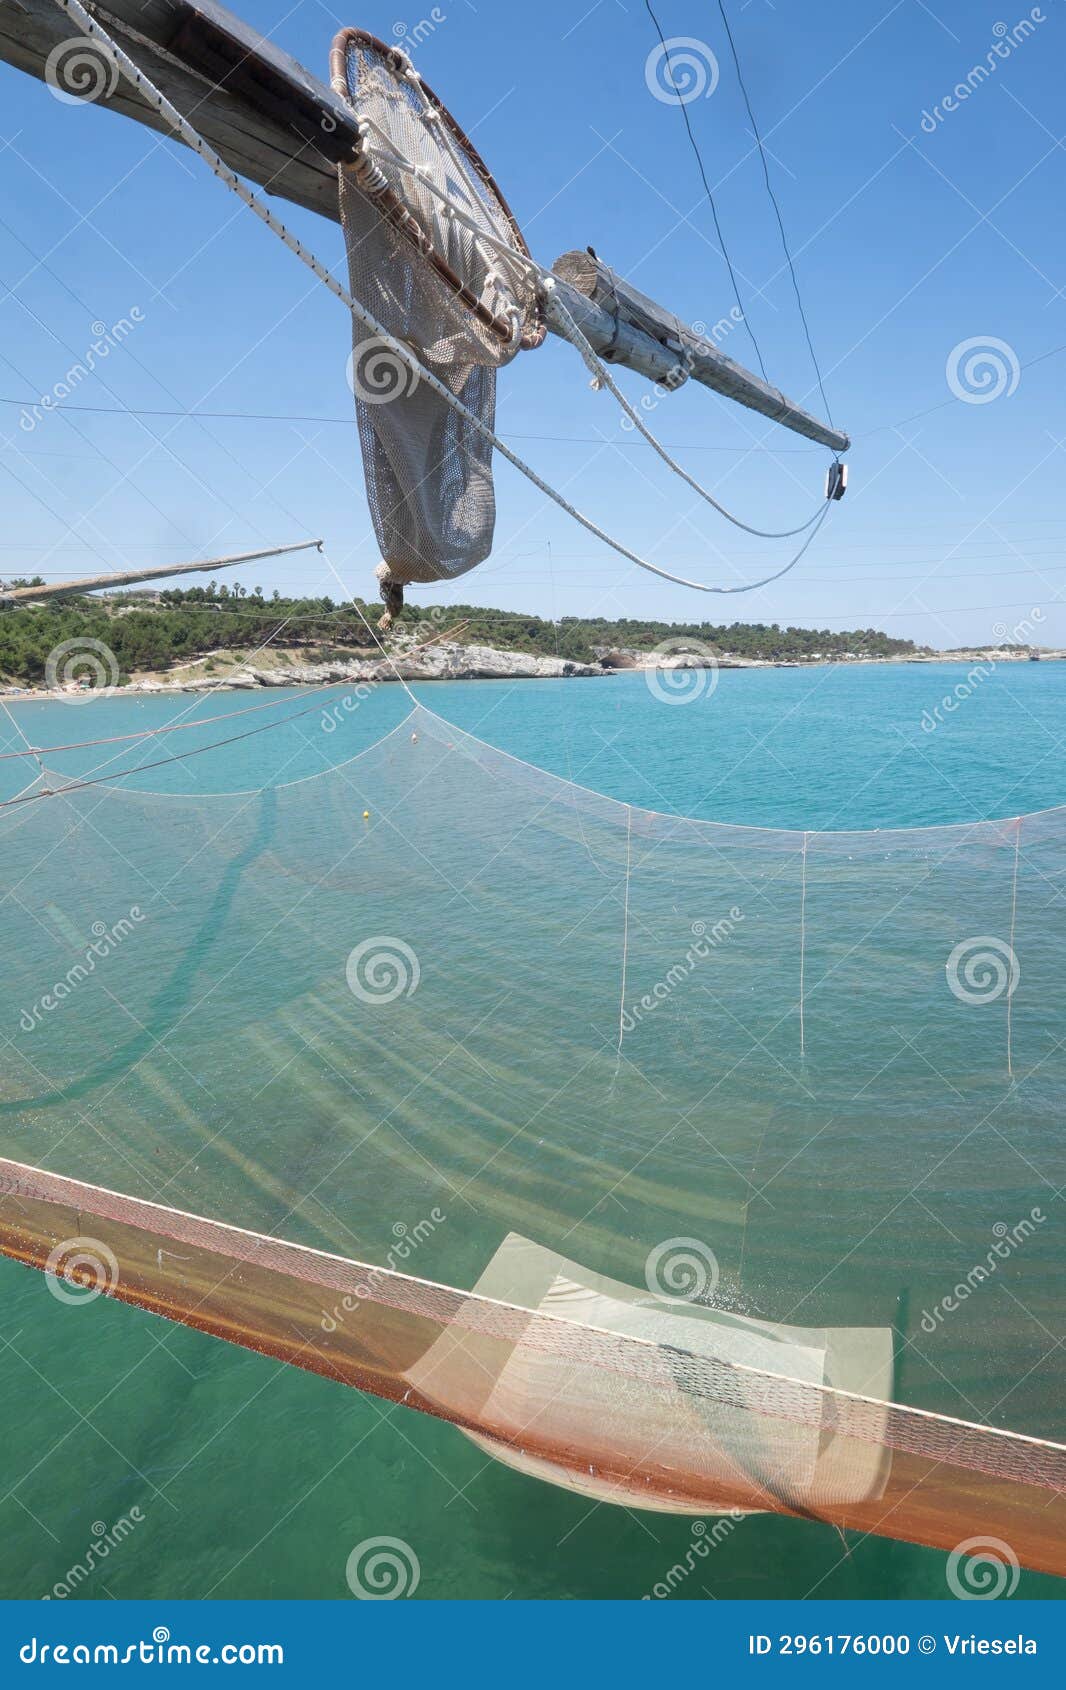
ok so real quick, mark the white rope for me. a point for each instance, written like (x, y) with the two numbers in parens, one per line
(413, 364)
(1010, 947)
(625, 932)
(602, 376)
(31, 749)
(389, 659)
(597, 368)
(803, 950)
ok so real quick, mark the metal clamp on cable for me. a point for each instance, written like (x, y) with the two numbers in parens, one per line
(836, 480)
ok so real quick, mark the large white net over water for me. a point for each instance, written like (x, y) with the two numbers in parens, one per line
(694, 1166)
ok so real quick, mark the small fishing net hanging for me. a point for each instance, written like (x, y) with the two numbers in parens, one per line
(443, 288)
(688, 1166)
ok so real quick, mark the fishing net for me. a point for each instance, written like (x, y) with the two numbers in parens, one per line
(689, 1166)
(452, 288)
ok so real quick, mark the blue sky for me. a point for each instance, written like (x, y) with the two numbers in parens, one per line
(911, 240)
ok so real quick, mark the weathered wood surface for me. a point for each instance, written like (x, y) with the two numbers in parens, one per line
(279, 126)
(265, 114)
(129, 577)
(699, 357)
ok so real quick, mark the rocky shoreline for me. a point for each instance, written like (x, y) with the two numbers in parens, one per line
(446, 661)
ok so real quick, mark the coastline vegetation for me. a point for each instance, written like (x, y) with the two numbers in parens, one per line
(152, 631)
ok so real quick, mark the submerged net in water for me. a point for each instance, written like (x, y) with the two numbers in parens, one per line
(458, 292)
(689, 1166)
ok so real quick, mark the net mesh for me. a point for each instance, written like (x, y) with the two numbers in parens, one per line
(692, 1166)
(444, 291)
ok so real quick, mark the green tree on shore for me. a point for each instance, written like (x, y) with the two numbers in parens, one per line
(184, 623)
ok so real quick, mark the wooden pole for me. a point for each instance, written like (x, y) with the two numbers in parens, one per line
(13, 596)
(692, 356)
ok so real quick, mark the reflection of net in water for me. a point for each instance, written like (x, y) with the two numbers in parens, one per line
(504, 1009)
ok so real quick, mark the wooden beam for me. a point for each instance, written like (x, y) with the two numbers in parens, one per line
(693, 355)
(279, 126)
(14, 596)
(268, 117)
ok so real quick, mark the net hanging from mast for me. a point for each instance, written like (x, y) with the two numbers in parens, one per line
(418, 198)
(404, 363)
(349, 1091)
(449, 291)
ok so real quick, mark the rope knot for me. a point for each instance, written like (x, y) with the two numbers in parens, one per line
(399, 62)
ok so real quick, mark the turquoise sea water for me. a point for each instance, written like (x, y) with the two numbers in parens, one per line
(254, 1480)
(834, 747)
